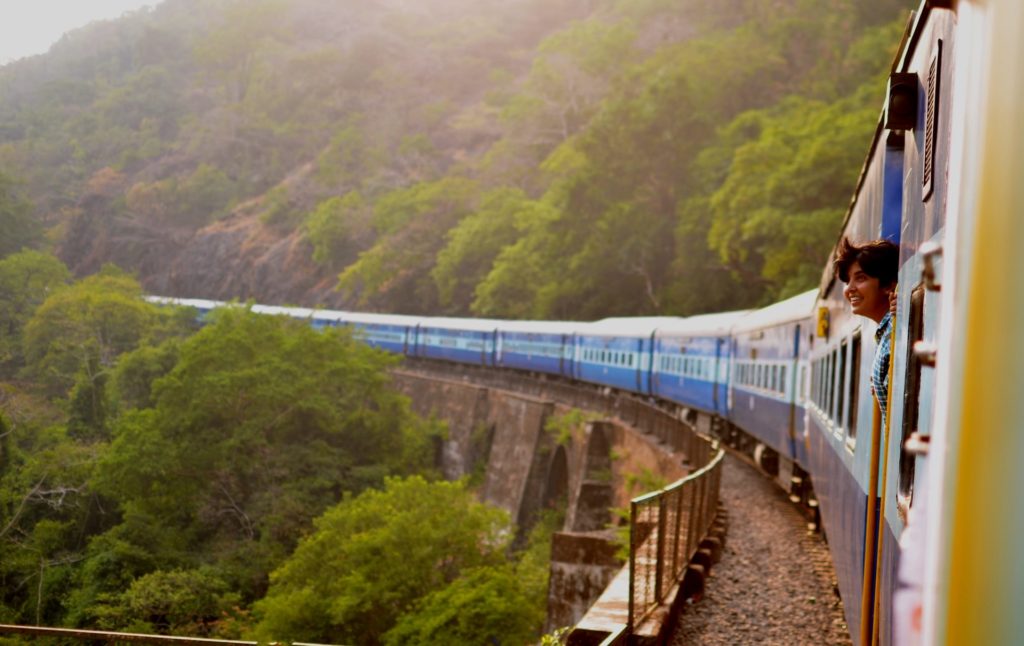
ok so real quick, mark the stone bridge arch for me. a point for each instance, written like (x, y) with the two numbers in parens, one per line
(594, 496)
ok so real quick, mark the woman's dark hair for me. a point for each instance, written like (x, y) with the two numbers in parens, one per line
(879, 259)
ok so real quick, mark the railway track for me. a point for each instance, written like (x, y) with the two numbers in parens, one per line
(775, 583)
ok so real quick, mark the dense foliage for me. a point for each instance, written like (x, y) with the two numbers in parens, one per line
(520, 158)
(523, 158)
(152, 476)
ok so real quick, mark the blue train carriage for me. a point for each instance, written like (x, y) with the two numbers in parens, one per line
(927, 154)
(769, 373)
(691, 362)
(616, 352)
(391, 332)
(840, 407)
(538, 346)
(462, 340)
(863, 473)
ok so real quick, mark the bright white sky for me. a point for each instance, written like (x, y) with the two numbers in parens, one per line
(29, 27)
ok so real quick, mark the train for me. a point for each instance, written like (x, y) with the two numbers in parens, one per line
(919, 509)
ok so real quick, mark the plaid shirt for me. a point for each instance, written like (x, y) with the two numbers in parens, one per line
(880, 369)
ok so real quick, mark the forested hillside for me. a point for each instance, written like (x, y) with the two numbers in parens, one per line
(516, 158)
(519, 158)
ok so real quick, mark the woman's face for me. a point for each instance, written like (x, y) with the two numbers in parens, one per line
(866, 296)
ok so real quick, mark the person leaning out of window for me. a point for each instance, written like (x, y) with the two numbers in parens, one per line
(870, 271)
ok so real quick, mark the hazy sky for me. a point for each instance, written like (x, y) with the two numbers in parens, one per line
(30, 26)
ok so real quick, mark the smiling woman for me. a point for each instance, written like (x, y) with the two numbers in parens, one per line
(869, 271)
(32, 27)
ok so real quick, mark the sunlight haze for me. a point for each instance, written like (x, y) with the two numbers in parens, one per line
(29, 28)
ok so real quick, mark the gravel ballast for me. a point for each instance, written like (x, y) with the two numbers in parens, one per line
(775, 582)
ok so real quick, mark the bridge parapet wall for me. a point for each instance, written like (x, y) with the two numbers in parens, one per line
(499, 421)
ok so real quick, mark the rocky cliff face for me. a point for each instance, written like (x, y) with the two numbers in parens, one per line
(237, 257)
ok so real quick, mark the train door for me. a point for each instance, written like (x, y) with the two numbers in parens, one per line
(721, 377)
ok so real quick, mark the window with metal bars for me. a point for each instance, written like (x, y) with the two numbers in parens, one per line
(931, 122)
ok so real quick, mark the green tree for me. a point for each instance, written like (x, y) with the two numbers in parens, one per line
(776, 212)
(175, 602)
(484, 606)
(374, 556)
(473, 245)
(262, 423)
(81, 330)
(26, 280)
(411, 224)
(18, 228)
(337, 229)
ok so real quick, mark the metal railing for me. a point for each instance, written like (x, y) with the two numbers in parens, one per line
(665, 531)
(64, 635)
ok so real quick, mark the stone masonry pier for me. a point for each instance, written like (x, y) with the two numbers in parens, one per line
(546, 443)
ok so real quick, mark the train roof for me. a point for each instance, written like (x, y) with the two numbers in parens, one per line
(541, 327)
(717, 324)
(474, 325)
(198, 303)
(793, 309)
(640, 326)
(363, 318)
(279, 310)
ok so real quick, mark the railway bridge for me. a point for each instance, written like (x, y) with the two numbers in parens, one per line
(549, 444)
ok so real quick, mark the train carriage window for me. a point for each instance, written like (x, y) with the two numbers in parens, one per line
(828, 381)
(841, 386)
(931, 122)
(815, 371)
(782, 379)
(851, 416)
(911, 397)
(834, 386)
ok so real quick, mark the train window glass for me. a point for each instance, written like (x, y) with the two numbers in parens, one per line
(782, 379)
(911, 396)
(841, 386)
(836, 402)
(773, 377)
(820, 399)
(814, 381)
(851, 416)
(827, 385)
(814, 373)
